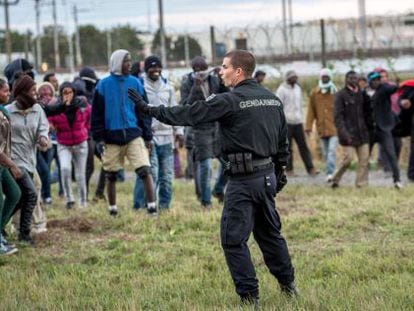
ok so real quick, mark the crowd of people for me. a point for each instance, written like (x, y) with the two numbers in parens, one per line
(73, 122)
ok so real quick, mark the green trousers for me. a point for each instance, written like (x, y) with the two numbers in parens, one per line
(9, 196)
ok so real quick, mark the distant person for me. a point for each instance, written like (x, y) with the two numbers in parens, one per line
(353, 120)
(17, 66)
(30, 130)
(72, 129)
(159, 92)
(290, 93)
(199, 85)
(320, 111)
(119, 131)
(9, 172)
(52, 79)
(259, 76)
(385, 122)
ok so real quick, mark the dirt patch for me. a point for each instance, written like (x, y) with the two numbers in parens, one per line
(75, 223)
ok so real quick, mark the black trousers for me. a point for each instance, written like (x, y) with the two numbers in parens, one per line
(90, 165)
(410, 172)
(249, 205)
(27, 202)
(386, 141)
(296, 132)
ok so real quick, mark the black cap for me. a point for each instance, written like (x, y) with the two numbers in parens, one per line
(151, 62)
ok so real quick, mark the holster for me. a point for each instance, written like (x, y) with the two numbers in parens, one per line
(243, 163)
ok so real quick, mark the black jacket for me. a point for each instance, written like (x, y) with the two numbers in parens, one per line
(353, 117)
(383, 116)
(251, 119)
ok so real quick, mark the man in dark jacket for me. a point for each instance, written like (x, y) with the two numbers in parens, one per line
(199, 85)
(253, 134)
(384, 121)
(119, 131)
(353, 120)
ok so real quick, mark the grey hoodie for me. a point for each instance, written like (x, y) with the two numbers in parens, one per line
(115, 63)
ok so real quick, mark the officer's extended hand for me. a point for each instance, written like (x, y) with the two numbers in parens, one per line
(136, 98)
(281, 179)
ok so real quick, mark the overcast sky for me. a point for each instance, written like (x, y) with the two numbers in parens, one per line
(191, 15)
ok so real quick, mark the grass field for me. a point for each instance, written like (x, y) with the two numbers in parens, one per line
(353, 249)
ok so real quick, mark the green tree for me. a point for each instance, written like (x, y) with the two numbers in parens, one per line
(126, 37)
(178, 51)
(93, 46)
(48, 46)
(17, 39)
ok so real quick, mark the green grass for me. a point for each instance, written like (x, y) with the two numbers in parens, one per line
(353, 249)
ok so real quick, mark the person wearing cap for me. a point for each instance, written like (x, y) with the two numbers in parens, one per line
(15, 68)
(30, 129)
(259, 76)
(119, 131)
(353, 121)
(385, 121)
(200, 139)
(159, 93)
(320, 111)
(290, 94)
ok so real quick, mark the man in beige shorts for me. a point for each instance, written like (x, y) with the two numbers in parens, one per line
(118, 129)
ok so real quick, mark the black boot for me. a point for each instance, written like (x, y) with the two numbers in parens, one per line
(250, 301)
(289, 290)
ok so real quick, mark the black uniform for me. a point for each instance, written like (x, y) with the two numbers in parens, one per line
(252, 122)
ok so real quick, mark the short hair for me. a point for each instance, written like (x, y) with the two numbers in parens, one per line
(2, 82)
(47, 76)
(242, 59)
(259, 73)
(351, 72)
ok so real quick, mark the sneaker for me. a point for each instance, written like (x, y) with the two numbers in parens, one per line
(289, 290)
(26, 239)
(7, 250)
(48, 201)
(113, 211)
(99, 197)
(152, 211)
(5, 242)
(70, 205)
(329, 178)
(248, 301)
(334, 185)
(398, 185)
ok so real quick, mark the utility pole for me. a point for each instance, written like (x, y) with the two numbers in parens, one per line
(6, 4)
(186, 50)
(55, 37)
(323, 45)
(162, 34)
(149, 16)
(77, 37)
(290, 25)
(38, 61)
(363, 23)
(71, 58)
(284, 27)
(109, 46)
(213, 45)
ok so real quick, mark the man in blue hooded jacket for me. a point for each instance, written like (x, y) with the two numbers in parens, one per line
(118, 129)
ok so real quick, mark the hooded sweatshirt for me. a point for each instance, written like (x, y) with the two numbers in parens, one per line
(291, 97)
(115, 119)
(161, 93)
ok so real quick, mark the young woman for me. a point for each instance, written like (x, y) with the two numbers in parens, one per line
(29, 130)
(72, 128)
(9, 190)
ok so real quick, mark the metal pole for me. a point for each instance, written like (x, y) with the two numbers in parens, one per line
(363, 24)
(290, 25)
(71, 58)
(55, 37)
(27, 44)
(162, 34)
(77, 37)
(8, 37)
(38, 37)
(284, 26)
(213, 45)
(109, 45)
(323, 48)
(186, 50)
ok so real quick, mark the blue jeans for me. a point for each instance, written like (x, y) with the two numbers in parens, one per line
(162, 169)
(44, 159)
(204, 176)
(329, 151)
(221, 180)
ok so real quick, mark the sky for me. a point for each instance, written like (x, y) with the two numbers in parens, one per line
(191, 15)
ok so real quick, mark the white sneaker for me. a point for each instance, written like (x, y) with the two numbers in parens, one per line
(329, 178)
(398, 185)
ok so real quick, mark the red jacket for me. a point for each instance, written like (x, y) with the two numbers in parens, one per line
(76, 133)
